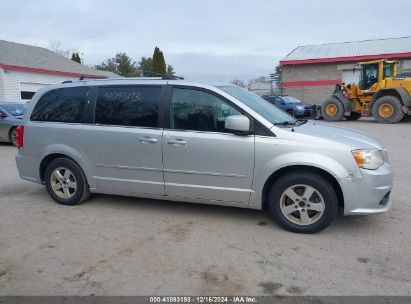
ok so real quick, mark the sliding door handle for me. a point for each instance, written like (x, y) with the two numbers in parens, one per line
(148, 140)
(176, 142)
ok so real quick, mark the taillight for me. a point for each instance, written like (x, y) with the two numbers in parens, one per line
(20, 136)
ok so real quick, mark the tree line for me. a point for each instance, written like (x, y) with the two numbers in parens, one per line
(275, 78)
(124, 65)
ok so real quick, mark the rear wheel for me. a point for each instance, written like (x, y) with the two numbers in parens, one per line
(332, 109)
(12, 136)
(303, 202)
(388, 109)
(66, 182)
(353, 116)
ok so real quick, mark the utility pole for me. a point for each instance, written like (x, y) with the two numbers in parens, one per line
(271, 80)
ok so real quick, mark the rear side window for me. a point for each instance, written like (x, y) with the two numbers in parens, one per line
(128, 106)
(62, 105)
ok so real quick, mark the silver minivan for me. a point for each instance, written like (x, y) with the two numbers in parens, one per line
(195, 142)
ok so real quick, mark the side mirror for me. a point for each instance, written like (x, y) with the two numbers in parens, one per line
(3, 115)
(283, 103)
(238, 123)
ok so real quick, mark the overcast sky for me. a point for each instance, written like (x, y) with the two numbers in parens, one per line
(203, 40)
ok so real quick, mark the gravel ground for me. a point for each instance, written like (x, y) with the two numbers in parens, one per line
(128, 246)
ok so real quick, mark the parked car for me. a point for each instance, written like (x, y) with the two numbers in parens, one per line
(10, 117)
(195, 142)
(293, 106)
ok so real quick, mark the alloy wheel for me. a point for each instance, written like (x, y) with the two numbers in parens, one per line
(63, 183)
(302, 204)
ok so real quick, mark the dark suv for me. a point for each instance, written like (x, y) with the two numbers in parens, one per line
(293, 106)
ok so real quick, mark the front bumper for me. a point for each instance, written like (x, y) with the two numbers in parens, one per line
(307, 112)
(369, 194)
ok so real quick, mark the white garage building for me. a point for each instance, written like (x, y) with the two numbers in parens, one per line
(25, 68)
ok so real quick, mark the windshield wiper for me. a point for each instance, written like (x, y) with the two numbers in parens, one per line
(300, 122)
(293, 124)
(285, 123)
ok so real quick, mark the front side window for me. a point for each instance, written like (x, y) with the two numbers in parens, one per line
(199, 111)
(62, 105)
(258, 104)
(136, 106)
(369, 76)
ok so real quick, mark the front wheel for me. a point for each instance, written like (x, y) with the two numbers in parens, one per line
(66, 182)
(332, 109)
(303, 202)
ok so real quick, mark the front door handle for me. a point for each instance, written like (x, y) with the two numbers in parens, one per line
(176, 142)
(148, 140)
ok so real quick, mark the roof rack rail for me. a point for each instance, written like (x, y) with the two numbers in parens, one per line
(66, 81)
(172, 77)
(165, 76)
(90, 77)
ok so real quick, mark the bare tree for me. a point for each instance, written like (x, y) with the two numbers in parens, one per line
(239, 83)
(57, 47)
(260, 79)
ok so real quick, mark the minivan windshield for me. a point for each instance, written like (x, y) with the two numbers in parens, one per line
(259, 105)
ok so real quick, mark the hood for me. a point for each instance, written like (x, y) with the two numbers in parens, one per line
(354, 139)
(302, 103)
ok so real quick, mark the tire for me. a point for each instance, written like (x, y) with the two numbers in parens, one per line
(332, 109)
(353, 116)
(71, 176)
(297, 184)
(12, 136)
(387, 109)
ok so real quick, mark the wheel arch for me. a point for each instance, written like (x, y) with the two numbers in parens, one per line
(347, 103)
(294, 168)
(400, 93)
(48, 159)
(10, 130)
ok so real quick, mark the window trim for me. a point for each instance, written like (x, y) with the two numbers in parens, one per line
(168, 105)
(93, 104)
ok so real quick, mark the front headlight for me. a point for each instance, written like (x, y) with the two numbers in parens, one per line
(300, 108)
(368, 159)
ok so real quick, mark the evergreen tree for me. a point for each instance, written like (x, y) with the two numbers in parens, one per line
(170, 70)
(163, 66)
(146, 66)
(156, 60)
(159, 65)
(121, 64)
(75, 57)
(78, 58)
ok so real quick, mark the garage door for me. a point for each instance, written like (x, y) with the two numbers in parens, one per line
(27, 89)
(350, 76)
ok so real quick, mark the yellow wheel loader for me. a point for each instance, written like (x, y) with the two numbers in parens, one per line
(380, 93)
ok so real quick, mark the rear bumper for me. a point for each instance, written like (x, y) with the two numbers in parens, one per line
(369, 194)
(28, 168)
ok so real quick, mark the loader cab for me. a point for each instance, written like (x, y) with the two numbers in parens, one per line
(369, 75)
(373, 72)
